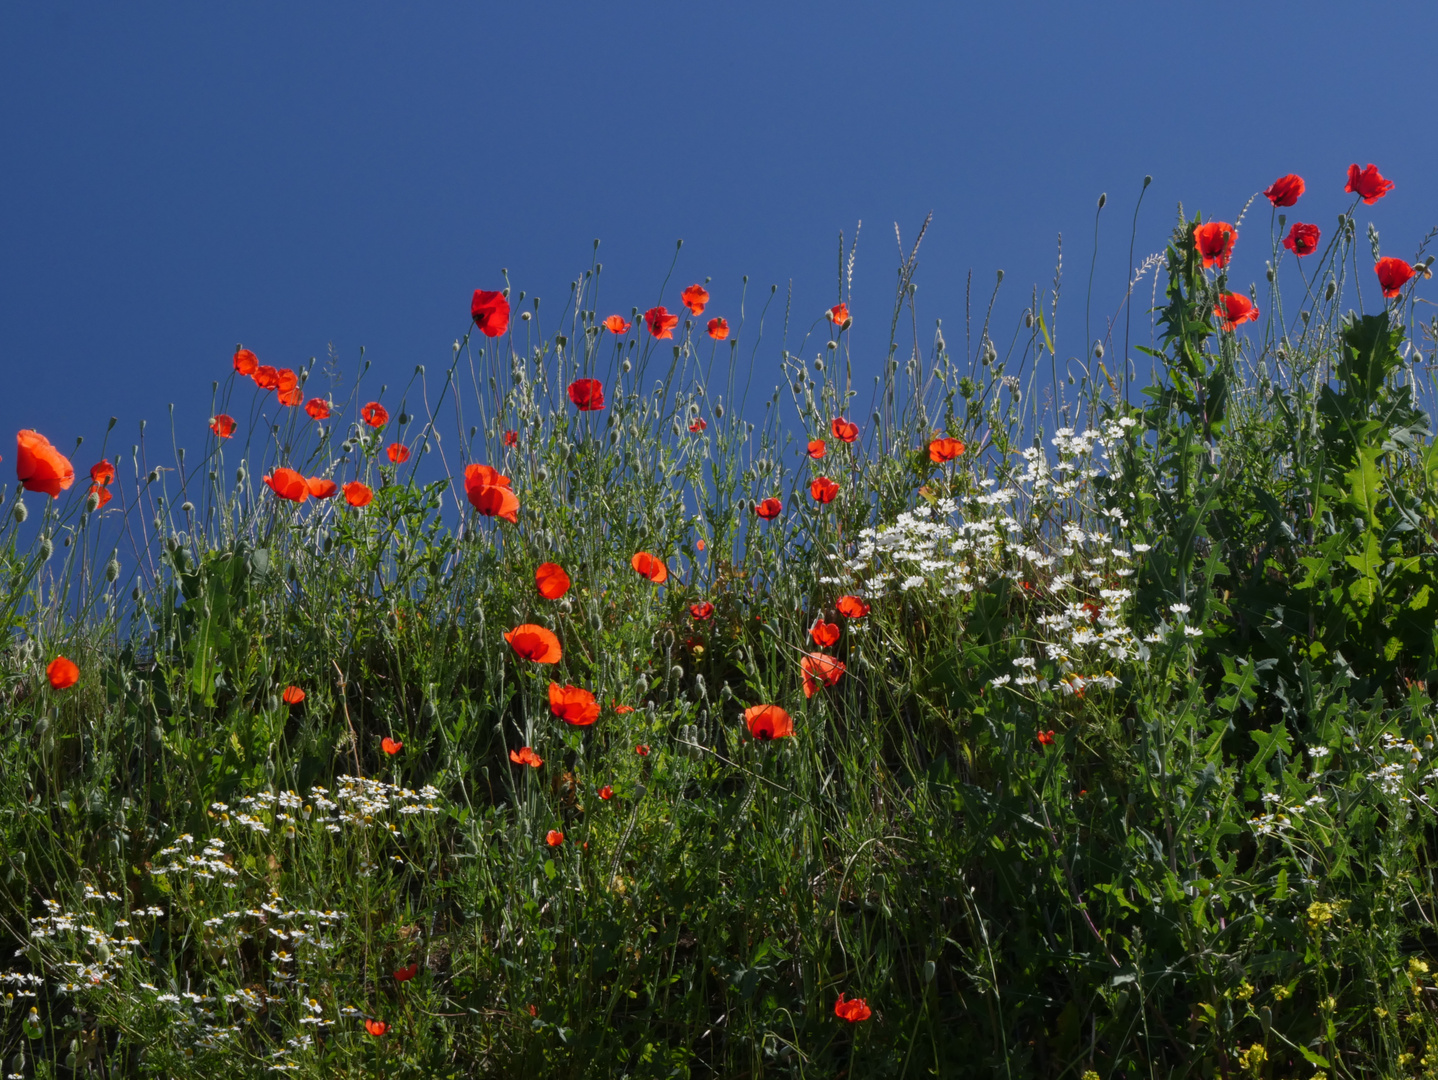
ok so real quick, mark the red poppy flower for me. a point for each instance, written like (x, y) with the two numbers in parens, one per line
(843, 430)
(391, 746)
(1393, 274)
(102, 472)
(817, 449)
(942, 450)
(622, 709)
(525, 756)
(376, 1027)
(573, 705)
(293, 695)
(642, 750)
(1214, 241)
(820, 669)
(647, 565)
(102, 495)
(1285, 190)
(824, 633)
(1233, 309)
(719, 328)
(661, 324)
(223, 425)
(694, 298)
(853, 1010)
(246, 362)
(587, 394)
(397, 452)
(404, 974)
(357, 494)
(286, 380)
(375, 414)
(1046, 738)
(1302, 239)
(511, 438)
(290, 398)
(699, 425)
(617, 324)
(266, 377)
(531, 642)
(39, 466)
(851, 607)
(321, 488)
(702, 612)
(554, 838)
(1368, 184)
(767, 722)
(62, 673)
(699, 544)
(606, 793)
(769, 508)
(839, 316)
(490, 311)
(823, 489)
(551, 580)
(288, 484)
(488, 492)
(318, 408)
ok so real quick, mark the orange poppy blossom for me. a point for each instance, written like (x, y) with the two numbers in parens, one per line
(573, 705)
(853, 1010)
(820, 669)
(1285, 190)
(719, 328)
(767, 722)
(661, 324)
(823, 489)
(650, 566)
(1234, 309)
(551, 580)
(694, 298)
(824, 633)
(293, 695)
(817, 449)
(851, 607)
(606, 793)
(291, 397)
(223, 425)
(358, 494)
(318, 408)
(321, 488)
(617, 324)
(1302, 239)
(525, 756)
(1393, 274)
(404, 974)
(286, 380)
(490, 312)
(1368, 184)
(843, 430)
(102, 495)
(391, 746)
(1046, 738)
(587, 394)
(376, 1027)
(768, 509)
(839, 316)
(642, 750)
(266, 377)
(62, 673)
(397, 453)
(554, 838)
(533, 642)
(946, 449)
(288, 484)
(700, 424)
(621, 709)
(701, 612)
(511, 438)
(102, 472)
(488, 492)
(39, 466)
(246, 362)
(374, 414)
(1214, 242)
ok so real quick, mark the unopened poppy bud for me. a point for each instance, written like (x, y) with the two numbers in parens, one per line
(1269, 273)
(187, 507)
(404, 418)
(154, 475)
(240, 475)
(642, 686)
(699, 685)
(92, 503)
(596, 622)
(112, 569)
(1328, 292)
(626, 367)
(47, 548)
(1098, 349)
(1102, 199)
(135, 594)
(566, 605)
(542, 473)
(1028, 320)
(1305, 316)
(718, 411)
(831, 345)
(614, 437)
(676, 672)
(877, 419)
(669, 639)
(725, 693)
(1071, 380)
(674, 427)
(65, 542)
(524, 316)
(818, 364)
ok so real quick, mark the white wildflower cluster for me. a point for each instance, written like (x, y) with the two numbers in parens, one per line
(80, 953)
(1398, 761)
(207, 864)
(1282, 816)
(358, 801)
(1075, 578)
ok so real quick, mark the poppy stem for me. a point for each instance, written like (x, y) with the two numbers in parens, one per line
(344, 704)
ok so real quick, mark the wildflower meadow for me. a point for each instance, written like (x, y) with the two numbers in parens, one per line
(626, 695)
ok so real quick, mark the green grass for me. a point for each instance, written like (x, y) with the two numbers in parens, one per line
(1129, 771)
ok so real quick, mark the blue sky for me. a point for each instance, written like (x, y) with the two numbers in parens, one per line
(178, 178)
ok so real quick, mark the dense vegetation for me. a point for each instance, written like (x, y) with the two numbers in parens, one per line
(1112, 709)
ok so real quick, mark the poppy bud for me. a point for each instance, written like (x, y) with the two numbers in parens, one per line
(542, 473)
(47, 548)
(135, 594)
(676, 672)
(818, 364)
(596, 622)
(65, 542)
(614, 437)
(187, 507)
(1098, 349)
(1028, 320)
(626, 367)
(112, 569)
(524, 316)
(404, 418)
(1269, 273)
(1102, 199)
(878, 420)
(718, 411)
(1328, 292)
(240, 475)
(642, 686)
(1305, 316)
(92, 503)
